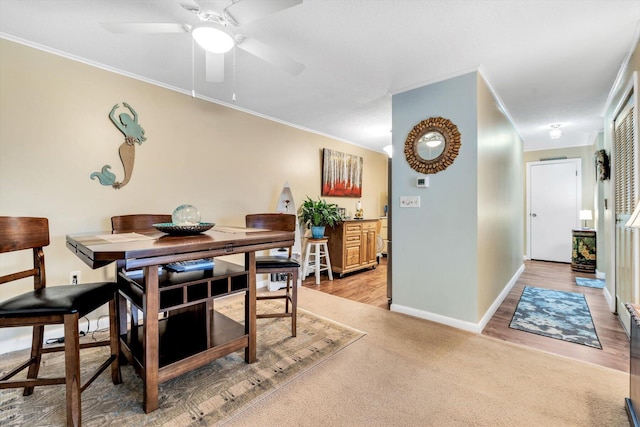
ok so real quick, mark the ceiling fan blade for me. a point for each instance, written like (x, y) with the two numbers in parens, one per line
(145, 28)
(190, 8)
(245, 11)
(270, 55)
(214, 67)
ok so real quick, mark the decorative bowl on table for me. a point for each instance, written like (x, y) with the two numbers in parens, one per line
(183, 229)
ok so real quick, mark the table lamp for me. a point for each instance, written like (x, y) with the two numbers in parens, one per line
(585, 215)
(634, 219)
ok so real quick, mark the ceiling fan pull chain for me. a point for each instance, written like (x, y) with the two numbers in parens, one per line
(193, 66)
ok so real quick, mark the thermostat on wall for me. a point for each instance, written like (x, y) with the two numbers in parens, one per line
(422, 181)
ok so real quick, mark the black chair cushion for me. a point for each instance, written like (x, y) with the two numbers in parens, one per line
(275, 262)
(59, 300)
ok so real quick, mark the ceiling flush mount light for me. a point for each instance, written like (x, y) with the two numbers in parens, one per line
(555, 131)
(213, 38)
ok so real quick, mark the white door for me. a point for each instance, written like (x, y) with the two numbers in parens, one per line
(554, 199)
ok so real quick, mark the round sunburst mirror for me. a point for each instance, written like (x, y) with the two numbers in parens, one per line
(432, 145)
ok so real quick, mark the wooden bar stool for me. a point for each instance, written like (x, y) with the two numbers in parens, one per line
(53, 305)
(278, 264)
(315, 265)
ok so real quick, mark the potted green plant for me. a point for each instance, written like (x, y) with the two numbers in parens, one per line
(317, 214)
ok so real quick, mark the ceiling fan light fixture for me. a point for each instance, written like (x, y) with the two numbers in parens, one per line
(212, 39)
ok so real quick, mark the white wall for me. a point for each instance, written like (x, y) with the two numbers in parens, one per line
(500, 196)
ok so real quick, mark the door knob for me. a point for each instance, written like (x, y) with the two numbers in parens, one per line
(534, 215)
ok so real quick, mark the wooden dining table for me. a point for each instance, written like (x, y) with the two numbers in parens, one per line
(166, 347)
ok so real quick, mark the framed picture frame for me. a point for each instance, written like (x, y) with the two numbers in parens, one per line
(341, 174)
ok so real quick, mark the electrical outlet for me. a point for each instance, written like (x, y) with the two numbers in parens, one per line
(74, 277)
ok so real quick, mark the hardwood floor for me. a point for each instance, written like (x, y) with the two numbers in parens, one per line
(615, 344)
(370, 287)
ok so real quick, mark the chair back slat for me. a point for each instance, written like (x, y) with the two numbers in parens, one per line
(18, 233)
(137, 222)
(17, 276)
(272, 221)
(23, 233)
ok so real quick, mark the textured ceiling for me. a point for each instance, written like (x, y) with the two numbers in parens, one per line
(550, 61)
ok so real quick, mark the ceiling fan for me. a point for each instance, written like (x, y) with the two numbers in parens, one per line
(214, 32)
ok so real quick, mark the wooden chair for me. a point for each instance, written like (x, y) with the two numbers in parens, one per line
(278, 264)
(137, 222)
(49, 306)
(129, 224)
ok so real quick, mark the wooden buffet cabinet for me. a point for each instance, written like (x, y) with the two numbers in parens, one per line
(352, 245)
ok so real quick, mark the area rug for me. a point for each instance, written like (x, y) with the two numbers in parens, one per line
(206, 396)
(590, 283)
(556, 314)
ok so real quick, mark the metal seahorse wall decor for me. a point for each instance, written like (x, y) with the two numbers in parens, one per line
(133, 134)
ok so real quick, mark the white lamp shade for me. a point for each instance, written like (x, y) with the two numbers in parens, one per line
(585, 215)
(212, 39)
(634, 219)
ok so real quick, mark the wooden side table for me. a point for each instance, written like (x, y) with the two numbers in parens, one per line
(583, 256)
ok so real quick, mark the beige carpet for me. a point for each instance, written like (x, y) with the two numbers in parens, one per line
(202, 397)
(411, 372)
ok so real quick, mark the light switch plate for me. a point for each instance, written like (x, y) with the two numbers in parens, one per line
(410, 201)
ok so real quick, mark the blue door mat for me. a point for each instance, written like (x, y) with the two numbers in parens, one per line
(590, 283)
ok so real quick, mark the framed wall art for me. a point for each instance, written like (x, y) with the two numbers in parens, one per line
(602, 165)
(341, 174)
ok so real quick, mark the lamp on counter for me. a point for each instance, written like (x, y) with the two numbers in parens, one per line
(585, 215)
(359, 211)
(634, 219)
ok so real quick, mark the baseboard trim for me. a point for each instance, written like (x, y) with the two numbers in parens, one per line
(610, 300)
(457, 323)
(438, 318)
(498, 301)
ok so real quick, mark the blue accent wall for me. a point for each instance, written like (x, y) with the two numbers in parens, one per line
(439, 247)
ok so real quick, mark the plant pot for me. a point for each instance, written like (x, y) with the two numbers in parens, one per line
(317, 231)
